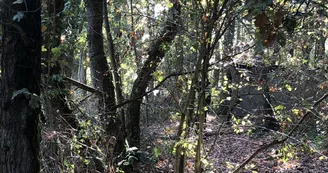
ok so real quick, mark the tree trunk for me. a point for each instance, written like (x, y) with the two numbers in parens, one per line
(202, 64)
(133, 40)
(155, 56)
(20, 88)
(100, 74)
(119, 147)
(101, 77)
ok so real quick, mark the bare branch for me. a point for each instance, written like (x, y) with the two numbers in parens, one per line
(83, 86)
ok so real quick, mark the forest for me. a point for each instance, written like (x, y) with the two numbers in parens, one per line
(163, 86)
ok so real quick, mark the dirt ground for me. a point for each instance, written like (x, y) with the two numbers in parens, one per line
(230, 150)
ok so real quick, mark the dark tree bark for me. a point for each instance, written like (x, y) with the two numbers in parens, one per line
(101, 76)
(155, 55)
(20, 87)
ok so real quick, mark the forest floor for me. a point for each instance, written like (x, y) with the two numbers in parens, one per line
(230, 150)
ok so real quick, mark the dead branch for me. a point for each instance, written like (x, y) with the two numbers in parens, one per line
(82, 86)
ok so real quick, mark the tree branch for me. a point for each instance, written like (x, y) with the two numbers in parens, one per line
(93, 90)
(153, 89)
(83, 86)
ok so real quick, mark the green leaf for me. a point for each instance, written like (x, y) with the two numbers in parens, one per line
(56, 51)
(18, 16)
(304, 61)
(121, 162)
(43, 49)
(18, 2)
(296, 111)
(192, 49)
(158, 75)
(156, 151)
(279, 108)
(131, 160)
(124, 66)
(288, 87)
(169, 5)
(35, 101)
(86, 161)
(132, 149)
(21, 91)
(205, 162)
(88, 122)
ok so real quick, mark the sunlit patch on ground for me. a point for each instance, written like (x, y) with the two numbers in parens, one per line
(285, 166)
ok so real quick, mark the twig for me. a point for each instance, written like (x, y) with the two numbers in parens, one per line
(215, 139)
